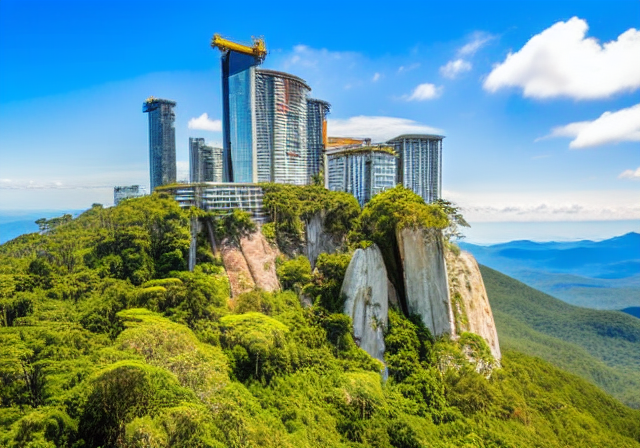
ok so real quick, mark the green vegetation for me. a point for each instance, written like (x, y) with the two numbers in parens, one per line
(106, 341)
(602, 347)
(289, 206)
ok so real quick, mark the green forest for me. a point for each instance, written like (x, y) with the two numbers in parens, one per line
(107, 340)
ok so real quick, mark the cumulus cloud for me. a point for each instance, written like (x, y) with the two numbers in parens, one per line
(479, 40)
(630, 174)
(453, 68)
(423, 92)
(376, 77)
(611, 127)
(561, 61)
(379, 129)
(204, 123)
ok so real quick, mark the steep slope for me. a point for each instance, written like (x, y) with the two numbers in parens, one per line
(600, 346)
(595, 274)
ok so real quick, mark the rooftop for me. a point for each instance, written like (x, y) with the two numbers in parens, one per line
(278, 74)
(417, 137)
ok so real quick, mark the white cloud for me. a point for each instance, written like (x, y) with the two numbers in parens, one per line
(561, 61)
(379, 129)
(630, 174)
(424, 92)
(611, 127)
(376, 77)
(454, 68)
(584, 205)
(408, 68)
(204, 123)
(480, 39)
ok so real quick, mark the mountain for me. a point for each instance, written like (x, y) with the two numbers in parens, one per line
(602, 275)
(107, 339)
(600, 346)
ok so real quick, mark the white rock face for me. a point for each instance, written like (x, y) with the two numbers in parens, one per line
(425, 278)
(365, 286)
(317, 240)
(470, 301)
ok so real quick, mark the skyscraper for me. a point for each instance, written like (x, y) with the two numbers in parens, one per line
(205, 162)
(362, 171)
(317, 111)
(282, 150)
(195, 159)
(162, 141)
(420, 164)
(266, 120)
(238, 117)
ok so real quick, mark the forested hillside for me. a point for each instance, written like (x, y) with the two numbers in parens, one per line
(107, 340)
(600, 346)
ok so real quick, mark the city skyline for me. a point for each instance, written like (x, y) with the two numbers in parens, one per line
(518, 147)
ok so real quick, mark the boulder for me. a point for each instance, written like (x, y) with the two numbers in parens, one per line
(425, 278)
(470, 301)
(366, 291)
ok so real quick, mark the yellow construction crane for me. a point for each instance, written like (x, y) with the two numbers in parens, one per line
(258, 50)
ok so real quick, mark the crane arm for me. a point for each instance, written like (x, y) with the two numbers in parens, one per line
(258, 50)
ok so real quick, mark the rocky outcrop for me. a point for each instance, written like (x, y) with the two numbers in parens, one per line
(240, 278)
(469, 299)
(318, 240)
(365, 288)
(261, 259)
(250, 264)
(425, 278)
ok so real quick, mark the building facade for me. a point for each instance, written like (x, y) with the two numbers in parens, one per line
(420, 164)
(205, 162)
(272, 131)
(162, 141)
(281, 131)
(317, 111)
(362, 171)
(239, 117)
(223, 198)
(121, 193)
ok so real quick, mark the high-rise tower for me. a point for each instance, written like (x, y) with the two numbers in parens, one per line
(317, 139)
(420, 164)
(205, 162)
(272, 131)
(162, 141)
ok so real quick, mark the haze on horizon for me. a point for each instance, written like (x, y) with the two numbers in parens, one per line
(539, 102)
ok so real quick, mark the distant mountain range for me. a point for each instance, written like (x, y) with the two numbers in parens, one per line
(601, 346)
(595, 274)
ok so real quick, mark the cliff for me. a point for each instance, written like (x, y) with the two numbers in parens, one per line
(250, 264)
(470, 301)
(365, 288)
(425, 278)
(317, 239)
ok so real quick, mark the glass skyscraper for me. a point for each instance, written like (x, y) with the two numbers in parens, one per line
(281, 131)
(362, 171)
(272, 131)
(205, 162)
(239, 117)
(420, 164)
(317, 111)
(162, 141)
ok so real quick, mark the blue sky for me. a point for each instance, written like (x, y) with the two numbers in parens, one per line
(518, 88)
